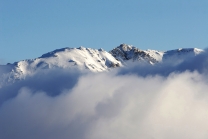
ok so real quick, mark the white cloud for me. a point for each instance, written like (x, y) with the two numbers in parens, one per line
(156, 102)
(111, 106)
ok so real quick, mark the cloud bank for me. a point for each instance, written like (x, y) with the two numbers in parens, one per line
(128, 103)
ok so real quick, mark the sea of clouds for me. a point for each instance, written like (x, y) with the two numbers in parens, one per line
(149, 102)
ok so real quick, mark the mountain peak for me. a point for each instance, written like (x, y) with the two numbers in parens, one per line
(125, 47)
(66, 58)
(126, 52)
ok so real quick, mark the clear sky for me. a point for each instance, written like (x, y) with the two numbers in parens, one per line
(30, 28)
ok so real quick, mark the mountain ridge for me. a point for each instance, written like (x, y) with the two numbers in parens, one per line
(95, 60)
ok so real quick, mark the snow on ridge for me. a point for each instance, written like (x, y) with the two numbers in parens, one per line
(81, 58)
(126, 53)
(93, 59)
(182, 53)
(184, 50)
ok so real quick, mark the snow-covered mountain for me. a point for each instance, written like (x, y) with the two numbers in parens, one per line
(82, 58)
(91, 59)
(66, 58)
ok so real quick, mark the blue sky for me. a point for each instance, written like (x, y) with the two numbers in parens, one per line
(30, 28)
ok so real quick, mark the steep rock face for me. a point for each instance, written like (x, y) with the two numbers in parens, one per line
(126, 53)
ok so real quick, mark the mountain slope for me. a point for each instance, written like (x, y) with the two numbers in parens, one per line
(92, 59)
(66, 58)
(128, 54)
(82, 58)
